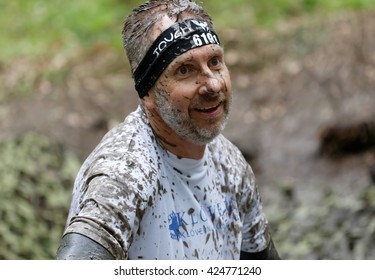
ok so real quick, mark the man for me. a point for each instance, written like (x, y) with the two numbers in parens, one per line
(165, 184)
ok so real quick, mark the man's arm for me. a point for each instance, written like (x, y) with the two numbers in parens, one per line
(75, 246)
(270, 253)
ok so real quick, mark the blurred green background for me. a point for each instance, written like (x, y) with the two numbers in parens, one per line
(40, 28)
(43, 45)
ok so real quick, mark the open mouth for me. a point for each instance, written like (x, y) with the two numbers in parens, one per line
(208, 110)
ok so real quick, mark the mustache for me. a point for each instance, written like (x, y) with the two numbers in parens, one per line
(209, 97)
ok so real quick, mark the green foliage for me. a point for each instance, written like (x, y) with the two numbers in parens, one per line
(269, 12)
(36, 178)
(37, 27)
(339, 226)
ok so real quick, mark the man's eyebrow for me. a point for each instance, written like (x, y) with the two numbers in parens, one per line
(183, 59)
(217, 51)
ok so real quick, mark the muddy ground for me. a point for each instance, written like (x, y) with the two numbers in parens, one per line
(291, 83)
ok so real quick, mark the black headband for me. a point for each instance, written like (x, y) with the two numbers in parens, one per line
(176, 40)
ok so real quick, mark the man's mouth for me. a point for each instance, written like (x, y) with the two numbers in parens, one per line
(208, 109)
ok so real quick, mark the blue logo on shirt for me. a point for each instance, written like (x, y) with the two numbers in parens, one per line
(190, 223)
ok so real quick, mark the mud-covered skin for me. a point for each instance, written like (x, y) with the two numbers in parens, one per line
(140, 202)
(78, 247)
(190, 102)
(270, 253)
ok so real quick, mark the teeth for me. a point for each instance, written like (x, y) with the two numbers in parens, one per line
(208, 108)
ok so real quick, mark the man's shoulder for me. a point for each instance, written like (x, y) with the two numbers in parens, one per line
(134, 126)
(129, 137)
(126, 150)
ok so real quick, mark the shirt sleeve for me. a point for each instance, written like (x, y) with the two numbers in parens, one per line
(255, 232)
(109, 213)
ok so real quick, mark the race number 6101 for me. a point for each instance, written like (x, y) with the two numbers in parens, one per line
(205, 38)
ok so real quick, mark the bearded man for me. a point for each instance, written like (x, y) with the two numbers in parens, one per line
(165, 183)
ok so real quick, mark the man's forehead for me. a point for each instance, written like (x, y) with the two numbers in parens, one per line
(203, 52)
(171, 39)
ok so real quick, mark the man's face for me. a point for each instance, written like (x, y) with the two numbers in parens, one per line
(193, 95)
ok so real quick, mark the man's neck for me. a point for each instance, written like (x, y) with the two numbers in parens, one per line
(174, 143)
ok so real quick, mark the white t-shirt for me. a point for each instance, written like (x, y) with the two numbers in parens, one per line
(141, 202)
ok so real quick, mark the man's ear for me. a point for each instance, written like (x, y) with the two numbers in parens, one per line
(149, 101)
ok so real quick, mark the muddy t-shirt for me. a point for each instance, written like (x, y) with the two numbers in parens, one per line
(141, 202)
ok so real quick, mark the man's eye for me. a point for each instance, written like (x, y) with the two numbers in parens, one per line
(215, 62)
(183, 70)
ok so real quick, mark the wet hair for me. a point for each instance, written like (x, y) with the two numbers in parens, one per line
(139, 25)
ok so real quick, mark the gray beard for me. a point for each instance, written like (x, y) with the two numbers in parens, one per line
(183, 125)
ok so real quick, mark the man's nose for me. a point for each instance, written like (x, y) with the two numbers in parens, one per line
(209, 83)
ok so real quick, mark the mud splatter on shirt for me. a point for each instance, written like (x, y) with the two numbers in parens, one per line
(141, 202)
